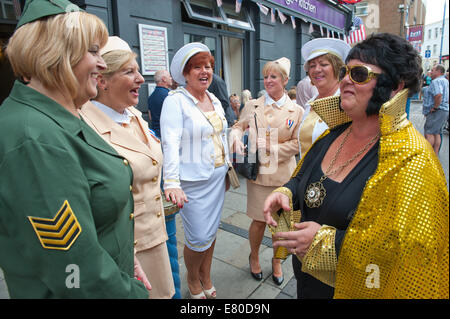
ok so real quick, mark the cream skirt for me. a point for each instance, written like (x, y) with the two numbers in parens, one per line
(256, 195)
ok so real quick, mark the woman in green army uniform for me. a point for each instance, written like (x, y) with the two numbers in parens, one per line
(66, 222)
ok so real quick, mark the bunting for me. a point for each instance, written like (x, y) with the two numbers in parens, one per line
(311, 28)
(219, 3)
(238, 6)
(263, 8)
(281, 16)
(293, 22)
(272, 15)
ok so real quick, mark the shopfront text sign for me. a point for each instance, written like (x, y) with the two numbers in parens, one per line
(315, 9)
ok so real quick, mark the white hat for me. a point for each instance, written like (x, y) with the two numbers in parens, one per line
(321, 46)
(182, 56)
(285, 64)
(115, 43)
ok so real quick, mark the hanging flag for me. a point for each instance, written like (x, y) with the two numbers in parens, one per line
(348, 1)
(356, 35)
(311, 28)
(219, 3)
(238, 6)
(272, 15)
(281, 16)
(263, 8)
(293, 22)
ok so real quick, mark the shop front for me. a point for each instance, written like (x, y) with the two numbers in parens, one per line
(242, 35)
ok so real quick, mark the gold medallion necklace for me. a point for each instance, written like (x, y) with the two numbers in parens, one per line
(315, 193)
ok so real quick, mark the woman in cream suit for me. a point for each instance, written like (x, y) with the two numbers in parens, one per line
(323, 59)
(114, 118)
(278, 119)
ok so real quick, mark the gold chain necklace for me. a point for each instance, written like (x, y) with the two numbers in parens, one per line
(315, 193)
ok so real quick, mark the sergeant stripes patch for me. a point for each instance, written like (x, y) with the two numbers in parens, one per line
(59, 232)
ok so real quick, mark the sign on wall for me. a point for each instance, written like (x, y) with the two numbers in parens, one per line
(415, 36)
(154, 49)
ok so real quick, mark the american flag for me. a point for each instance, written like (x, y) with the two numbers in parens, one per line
(356, 35)
(238, 6)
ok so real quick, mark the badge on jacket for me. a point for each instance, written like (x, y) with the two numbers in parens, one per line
(289, 123)
(59, 232)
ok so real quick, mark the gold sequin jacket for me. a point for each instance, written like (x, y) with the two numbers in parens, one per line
(396, 245)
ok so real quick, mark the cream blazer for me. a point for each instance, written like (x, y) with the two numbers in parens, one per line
(280, 127)
(145, 160)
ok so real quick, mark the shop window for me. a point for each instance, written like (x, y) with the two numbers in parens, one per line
(208, 11)
(362, 9)
(7, 10)
(239, 20)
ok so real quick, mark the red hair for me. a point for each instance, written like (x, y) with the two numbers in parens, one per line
(201, 58)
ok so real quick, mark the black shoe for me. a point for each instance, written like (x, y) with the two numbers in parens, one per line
(277, 280)
(257, 276)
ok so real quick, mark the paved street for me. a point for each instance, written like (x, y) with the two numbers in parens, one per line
(230, 269)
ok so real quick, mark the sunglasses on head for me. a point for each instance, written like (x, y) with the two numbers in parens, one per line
(359, 74)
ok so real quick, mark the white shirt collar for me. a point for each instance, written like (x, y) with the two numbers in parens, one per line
(279, 103)
(117, 117)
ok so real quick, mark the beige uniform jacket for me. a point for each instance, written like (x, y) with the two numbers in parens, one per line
(145, 160)
(280, 127)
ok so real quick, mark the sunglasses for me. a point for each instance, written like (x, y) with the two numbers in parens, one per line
(359, 74)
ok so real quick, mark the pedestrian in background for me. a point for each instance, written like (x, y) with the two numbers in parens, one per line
(246, 96)
(156, 99)
(193, 127)
(232, 113)
(65, 197)
(305, 91)
(113, 116)
(435, 120)
(278, 118)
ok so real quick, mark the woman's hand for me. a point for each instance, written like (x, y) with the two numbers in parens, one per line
(261, 143)
(273, 203)
(140, 275)
(176, 196)
(238, 147)
(299, 241)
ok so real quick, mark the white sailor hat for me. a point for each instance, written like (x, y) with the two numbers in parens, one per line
(181, 57)
(115, 43)
(285, 64)
(321, 46)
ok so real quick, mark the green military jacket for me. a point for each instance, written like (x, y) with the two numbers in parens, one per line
(66, 223)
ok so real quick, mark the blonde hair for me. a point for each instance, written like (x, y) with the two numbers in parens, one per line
(335, 61)
(273, 66)
(246, 96)
(115, 61)
(48, 49)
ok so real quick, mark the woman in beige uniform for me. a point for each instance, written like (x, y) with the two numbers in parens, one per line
(278, 119)
(114, 118)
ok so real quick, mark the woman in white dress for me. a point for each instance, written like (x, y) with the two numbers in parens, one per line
(195, 151)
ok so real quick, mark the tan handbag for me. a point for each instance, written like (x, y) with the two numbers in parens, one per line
(232, 177)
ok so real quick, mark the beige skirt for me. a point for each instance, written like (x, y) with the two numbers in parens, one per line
(256, 196)
(156, 264)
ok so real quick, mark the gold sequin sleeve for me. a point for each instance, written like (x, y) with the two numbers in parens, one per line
(320, 260)
(285, 221)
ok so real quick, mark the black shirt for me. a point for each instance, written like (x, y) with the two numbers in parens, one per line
(338, 207)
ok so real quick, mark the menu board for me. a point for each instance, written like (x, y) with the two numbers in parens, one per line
(154, 50)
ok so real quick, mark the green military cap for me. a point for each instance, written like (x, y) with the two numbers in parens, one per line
(37, 9)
